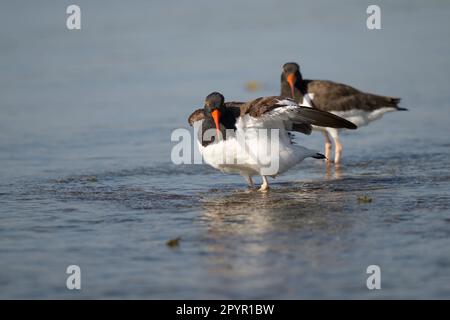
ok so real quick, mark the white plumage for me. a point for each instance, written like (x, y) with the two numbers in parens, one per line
(362, 117)
(248, 152)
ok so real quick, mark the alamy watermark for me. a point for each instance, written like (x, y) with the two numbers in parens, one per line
(73, 281)
(73, 21)
(373, 21)
(374, 280)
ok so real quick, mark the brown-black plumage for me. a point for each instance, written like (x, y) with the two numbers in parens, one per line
(332, 96)
(260, 106)
(350, 103)
(265, 113)
(198, 115)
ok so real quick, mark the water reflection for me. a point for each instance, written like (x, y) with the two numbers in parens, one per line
(249, 234)
(333, 171)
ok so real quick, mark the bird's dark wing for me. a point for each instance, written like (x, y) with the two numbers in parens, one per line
(332, 96)
(292, 114)
(233, 107)
(195, 116)
(324, 119)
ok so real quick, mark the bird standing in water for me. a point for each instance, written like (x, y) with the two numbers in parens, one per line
(342, 100)
(249, 157)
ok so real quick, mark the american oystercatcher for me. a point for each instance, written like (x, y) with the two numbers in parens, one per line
(359, 107)
(254, 138)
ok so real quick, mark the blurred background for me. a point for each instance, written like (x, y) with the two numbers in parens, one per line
(86, 176)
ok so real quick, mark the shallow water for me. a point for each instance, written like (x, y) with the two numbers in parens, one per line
(86, 176)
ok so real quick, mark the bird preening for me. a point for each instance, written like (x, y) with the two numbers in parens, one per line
(248, 156)
(255, 137)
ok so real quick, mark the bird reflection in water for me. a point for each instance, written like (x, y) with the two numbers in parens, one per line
(333, 171)
(257, 233)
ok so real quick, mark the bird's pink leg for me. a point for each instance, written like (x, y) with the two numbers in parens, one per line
(328, 146)
(265, 184)
(337, 151)
(249, 181)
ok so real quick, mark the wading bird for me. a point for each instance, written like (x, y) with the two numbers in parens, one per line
(232, 137)
(347, 102)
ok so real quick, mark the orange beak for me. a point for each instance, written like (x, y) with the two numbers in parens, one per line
(291, 80)
(216, 116)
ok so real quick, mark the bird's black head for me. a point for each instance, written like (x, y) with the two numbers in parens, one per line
(214, 101)
(214, 107)
(291, 68)
(291, 74)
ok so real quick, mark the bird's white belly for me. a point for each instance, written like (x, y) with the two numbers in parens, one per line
(255, 155)
(359, 117)
(362, 117)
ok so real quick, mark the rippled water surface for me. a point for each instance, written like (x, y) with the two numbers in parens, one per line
(86, 175)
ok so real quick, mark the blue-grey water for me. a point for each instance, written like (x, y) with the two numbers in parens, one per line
(86, 176)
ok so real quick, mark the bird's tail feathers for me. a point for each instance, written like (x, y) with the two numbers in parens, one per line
(318, 155)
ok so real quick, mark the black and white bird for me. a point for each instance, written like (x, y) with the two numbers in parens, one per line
(230, 136)
(359, 107)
